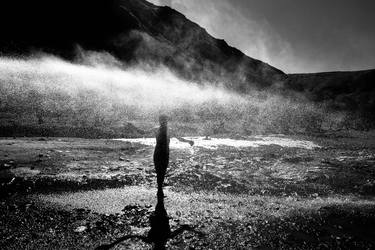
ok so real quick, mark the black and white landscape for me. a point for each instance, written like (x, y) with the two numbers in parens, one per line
(280, 160)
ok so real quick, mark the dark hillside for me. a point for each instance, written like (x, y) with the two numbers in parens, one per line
(133, 31)
(350, 91)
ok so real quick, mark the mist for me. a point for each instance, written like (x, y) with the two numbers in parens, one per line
(100, 92)
(131, 86)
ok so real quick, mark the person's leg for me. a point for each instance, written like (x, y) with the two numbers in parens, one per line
(160, 180)
(160, 177)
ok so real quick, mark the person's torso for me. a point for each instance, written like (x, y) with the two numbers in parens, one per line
(162, 141)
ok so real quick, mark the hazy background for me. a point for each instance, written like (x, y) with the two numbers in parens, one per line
(94, 91)
(293, 35)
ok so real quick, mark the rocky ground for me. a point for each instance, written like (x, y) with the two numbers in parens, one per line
(67, 193)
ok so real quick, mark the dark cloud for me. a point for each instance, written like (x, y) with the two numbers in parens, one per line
(295, 36)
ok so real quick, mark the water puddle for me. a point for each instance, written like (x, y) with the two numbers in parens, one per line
(188, 207)
(182, 205)
(214, 143)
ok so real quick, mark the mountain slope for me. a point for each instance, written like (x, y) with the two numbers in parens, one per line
(133, 31)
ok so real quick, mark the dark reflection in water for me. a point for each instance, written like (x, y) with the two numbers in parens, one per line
(160, 231)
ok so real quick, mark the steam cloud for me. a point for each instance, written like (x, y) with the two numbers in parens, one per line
(99, 91)
(98, 87)
(144, 87)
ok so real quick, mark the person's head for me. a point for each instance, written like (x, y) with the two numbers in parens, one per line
(163, 120)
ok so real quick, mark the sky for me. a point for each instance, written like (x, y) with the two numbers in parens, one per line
(296, 36)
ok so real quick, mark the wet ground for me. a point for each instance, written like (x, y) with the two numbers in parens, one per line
(250, 192)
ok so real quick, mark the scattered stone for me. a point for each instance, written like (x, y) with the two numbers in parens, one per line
(80, 229)
(11, 181)
(226, 185)
(6, 166)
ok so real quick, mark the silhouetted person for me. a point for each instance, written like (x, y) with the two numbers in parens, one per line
(160, 231)
(161, 153)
